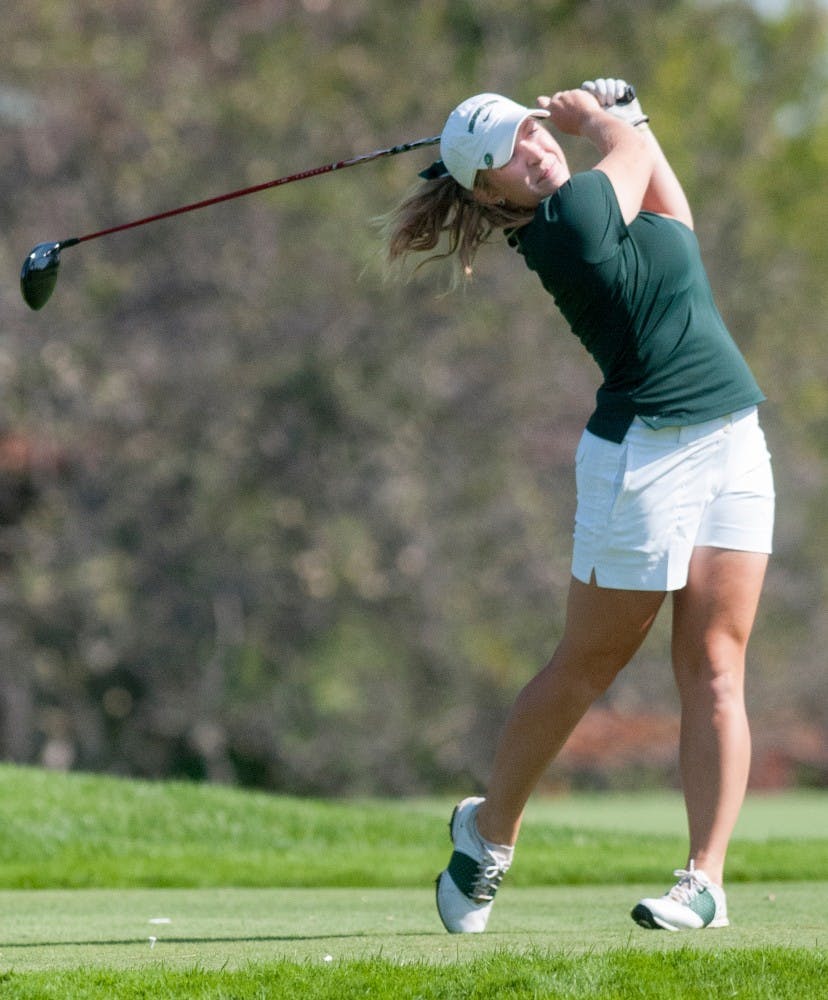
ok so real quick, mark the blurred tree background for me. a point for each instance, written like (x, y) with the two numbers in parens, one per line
(268, 518)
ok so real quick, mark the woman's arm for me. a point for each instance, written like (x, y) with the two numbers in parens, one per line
(628, 157)
(665, 194)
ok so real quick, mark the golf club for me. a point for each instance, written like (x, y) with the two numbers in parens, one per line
(40, 268)
(39, 273)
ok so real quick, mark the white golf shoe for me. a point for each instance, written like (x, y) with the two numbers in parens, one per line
(466, 889)
(692, 904)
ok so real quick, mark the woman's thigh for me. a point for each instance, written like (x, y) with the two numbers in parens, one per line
(604, 626)
(713, 615)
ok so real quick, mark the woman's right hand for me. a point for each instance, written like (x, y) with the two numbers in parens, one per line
(570, 110)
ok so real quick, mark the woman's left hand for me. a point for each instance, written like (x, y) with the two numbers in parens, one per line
(617, 98)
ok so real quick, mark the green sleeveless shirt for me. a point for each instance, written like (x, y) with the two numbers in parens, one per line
(638, 298)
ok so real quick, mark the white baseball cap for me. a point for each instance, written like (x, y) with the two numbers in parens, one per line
(480, 134)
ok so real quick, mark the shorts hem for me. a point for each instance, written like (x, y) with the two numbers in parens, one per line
(658, 579)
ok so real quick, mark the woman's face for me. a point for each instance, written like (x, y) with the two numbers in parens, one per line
(536, 170)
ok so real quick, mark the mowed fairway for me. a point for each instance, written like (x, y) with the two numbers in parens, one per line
(228, 928)
(136, 897)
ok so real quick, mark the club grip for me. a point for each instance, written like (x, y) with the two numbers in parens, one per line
(629, 95)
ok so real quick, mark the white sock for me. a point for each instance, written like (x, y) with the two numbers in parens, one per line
(503, 852)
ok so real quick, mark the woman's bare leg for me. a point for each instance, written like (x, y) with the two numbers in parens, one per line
(604, 628)
(712, 621)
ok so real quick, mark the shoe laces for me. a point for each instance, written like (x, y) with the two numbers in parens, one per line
(691, 882)
(488, 881)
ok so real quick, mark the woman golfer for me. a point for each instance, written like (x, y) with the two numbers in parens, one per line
(675, 492)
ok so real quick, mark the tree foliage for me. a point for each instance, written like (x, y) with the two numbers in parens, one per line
(269, 518)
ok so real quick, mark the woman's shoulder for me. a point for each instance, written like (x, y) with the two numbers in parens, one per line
(582, 211)
(588, 191)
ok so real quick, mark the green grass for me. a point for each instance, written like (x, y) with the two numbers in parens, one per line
(83, 831)
(113, 888)
(685, 974)
(224, 928)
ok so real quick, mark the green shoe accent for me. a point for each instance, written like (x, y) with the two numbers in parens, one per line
(704, 905)
(476, 881)
(465, 872)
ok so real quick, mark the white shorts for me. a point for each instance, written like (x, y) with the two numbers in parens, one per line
(644, 504)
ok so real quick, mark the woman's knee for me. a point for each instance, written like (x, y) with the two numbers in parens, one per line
(581, 674)
(715, 677)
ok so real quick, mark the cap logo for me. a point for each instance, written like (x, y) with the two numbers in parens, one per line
(476, 115)
(488, 159)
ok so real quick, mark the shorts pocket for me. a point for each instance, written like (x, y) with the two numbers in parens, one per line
(600, 467)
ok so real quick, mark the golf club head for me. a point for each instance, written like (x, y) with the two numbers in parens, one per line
(39, 274)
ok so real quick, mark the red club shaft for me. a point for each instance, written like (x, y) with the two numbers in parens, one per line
(302, 175)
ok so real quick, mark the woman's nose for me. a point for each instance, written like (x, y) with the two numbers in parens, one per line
(531, 150)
